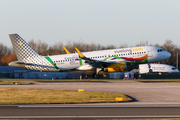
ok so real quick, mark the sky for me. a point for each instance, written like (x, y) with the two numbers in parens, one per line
(106, 22)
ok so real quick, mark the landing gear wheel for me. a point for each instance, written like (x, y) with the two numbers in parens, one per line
(97, 76)
(150, 70)
(94, 75)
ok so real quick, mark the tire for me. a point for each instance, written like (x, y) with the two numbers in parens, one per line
(150, 70)
(93, 75)
(97, 76)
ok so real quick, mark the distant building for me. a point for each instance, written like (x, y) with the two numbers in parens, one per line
(13, 72)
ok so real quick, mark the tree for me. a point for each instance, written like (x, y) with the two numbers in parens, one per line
(7, 58)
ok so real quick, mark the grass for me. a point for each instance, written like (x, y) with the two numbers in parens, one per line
(15, 83)
(10, 96)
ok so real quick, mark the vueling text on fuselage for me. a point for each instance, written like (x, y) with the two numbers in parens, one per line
(123, 50)
(137, 49)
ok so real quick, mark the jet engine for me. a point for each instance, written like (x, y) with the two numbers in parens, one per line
(117, 67)
(85, 67)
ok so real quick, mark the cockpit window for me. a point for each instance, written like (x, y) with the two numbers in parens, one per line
(160, 50)
(173, 68)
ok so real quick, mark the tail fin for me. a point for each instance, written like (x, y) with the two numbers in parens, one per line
(22, 49)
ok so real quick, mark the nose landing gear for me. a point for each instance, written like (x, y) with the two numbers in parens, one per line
(150, 70)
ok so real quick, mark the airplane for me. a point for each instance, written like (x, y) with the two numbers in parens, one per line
(160, 68)
(113, 60)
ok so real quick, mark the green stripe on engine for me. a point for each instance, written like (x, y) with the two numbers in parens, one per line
(49, 59)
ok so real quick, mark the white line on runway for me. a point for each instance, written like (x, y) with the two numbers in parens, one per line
(148, 116)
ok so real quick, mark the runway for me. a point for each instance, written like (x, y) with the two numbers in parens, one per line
(88, 111)
(151, 100)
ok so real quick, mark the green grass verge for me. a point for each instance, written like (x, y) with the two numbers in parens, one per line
(9, 96)
(15, 83)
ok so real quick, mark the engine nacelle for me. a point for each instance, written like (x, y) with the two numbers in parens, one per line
(85, 67)
(17, 64)
(117, 67)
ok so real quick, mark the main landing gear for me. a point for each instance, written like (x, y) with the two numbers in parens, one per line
(96, 76)
(96, 73)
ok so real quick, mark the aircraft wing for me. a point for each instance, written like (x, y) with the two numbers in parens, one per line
(92, 62)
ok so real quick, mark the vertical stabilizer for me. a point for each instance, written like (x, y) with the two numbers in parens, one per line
(22, 49)
(29, 58)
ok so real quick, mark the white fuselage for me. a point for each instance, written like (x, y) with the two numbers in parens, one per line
(134, 55)
(144, 68)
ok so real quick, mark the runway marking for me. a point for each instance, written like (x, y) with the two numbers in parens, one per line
(145, 116)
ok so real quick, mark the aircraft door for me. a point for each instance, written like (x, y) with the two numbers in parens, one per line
(149, 51)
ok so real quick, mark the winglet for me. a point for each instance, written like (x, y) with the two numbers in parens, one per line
(80, 54)
(67, 51)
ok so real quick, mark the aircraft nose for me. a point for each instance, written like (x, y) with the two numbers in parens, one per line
(167, 55)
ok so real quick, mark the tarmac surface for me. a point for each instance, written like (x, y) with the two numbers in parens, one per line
(151, 99)
(139, 91)
(87, 112)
